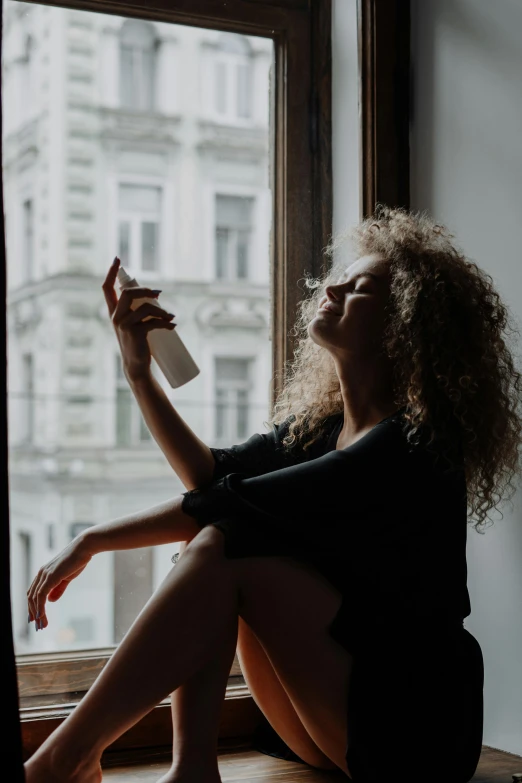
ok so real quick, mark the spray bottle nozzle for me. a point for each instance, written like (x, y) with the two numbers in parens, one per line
(123, 277)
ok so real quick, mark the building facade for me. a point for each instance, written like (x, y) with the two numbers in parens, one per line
(149, 141)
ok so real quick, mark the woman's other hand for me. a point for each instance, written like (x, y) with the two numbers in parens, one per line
(52, 579)
(130, 327)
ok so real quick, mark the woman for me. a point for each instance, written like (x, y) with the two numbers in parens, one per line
(331, 551)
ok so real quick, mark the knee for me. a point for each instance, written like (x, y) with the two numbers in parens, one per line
(209, 543)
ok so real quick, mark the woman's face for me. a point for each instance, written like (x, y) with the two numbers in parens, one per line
(358, 299)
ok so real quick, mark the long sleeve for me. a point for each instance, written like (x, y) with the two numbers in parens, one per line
(260, 454)
(381, 518)
(320, 494)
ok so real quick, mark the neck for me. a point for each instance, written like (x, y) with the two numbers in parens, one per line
(367, 392)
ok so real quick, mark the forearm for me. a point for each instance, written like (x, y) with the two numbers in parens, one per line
(190, 458)
(165, 523)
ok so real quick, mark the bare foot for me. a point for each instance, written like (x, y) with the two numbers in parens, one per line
(192, 773)
(44, 767)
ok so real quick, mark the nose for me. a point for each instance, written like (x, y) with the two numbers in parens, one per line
(331, 293)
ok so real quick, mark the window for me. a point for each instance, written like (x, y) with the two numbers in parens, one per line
(292, 133)
(28, 239)
(232, 393)
(131, 429)
(139, 209)
(233, 236)
(232, 78)
(137, 65)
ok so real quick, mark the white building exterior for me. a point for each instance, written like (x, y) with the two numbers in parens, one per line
(149, 141)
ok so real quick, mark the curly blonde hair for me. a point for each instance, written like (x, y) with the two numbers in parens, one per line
(453, 371)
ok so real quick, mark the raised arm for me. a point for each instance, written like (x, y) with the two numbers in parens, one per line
(190, 458)
(194, 462)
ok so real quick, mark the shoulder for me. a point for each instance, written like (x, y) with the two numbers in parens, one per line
(445, 458)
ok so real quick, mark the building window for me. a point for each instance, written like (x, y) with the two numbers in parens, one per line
(232, 78)
(138, 47)
(232, 391)
(28, 239)
(131, 429)
(139, 211)
(233, 236)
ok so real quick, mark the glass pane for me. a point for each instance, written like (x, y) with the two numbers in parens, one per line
(242, 254)
(243, 89)
(234, 211)
(149, 246)
(231, 369)
(221, 253)
(147, 78)
(220, 413)
(234, 43)
(242, 413)
(123, 417)
(127, 77)
(79, 450)
(221, 87)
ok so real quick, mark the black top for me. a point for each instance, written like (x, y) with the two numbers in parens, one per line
(383, 520)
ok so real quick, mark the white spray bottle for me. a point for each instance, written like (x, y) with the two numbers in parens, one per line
(166, 346)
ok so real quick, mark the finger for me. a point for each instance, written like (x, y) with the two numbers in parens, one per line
(40, 600)
(158, 323)
(58, 591)
(31, 593)
(134, 316)
(128, 295)
(45, 583)
(108, 286)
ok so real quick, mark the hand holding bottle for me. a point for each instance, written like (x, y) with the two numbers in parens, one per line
(132, 326)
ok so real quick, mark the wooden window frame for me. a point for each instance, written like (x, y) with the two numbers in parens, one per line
(301, 172)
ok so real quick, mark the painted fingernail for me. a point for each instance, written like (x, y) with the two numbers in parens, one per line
(38, 616)
(156, 291)
(28, 618)
(36, 626)
(116, 259)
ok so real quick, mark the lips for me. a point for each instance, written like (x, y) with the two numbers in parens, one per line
(327, 306)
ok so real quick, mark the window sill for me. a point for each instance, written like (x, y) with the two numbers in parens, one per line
(50, 685)
(239, 718)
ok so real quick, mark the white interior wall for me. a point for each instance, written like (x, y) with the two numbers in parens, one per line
(466, 170)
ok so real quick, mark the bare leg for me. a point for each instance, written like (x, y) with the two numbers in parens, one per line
(193, 613)
(196, 711)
